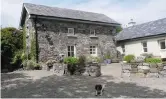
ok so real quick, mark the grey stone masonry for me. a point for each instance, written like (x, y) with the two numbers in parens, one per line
(53, 38)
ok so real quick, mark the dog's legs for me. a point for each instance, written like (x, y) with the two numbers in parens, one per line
(96, 93)
(101, 93)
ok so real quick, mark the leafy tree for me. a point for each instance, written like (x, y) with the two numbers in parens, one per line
(118, 29)
(11, 42)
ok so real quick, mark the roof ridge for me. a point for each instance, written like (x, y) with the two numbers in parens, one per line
(145, 23)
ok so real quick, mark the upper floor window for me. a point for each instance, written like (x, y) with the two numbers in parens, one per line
(144, 45)
(71, 31)
(92, 32)
(162, 44)
(123, 48)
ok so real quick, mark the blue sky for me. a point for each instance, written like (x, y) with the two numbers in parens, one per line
(120, 10)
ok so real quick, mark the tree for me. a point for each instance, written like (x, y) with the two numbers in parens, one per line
(118, 29)
(11, 42)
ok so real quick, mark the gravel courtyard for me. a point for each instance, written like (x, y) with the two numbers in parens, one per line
(45, 84)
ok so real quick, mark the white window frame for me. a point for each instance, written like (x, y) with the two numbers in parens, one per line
(144, 47)
(162, 40)
(71, 29)
(93, 50)
(93, 32)
(69, 50)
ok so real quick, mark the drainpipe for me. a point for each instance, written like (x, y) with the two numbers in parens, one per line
(36, 35)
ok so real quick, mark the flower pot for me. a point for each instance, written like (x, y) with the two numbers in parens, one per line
(108, 61)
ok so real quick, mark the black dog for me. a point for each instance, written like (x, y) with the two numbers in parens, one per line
(99, 89)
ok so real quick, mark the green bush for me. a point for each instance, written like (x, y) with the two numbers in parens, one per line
(71, 62)
(107, 56)
(29, 64)
(93, 59)
(81, 64)
(129, 58)
(82, 60)
(153, 60)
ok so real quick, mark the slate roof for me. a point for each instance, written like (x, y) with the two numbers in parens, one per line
(143, 30)
(67, 13)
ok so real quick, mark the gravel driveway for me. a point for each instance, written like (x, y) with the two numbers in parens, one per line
(45, 84)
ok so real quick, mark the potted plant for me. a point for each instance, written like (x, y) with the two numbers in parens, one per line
(107, 58)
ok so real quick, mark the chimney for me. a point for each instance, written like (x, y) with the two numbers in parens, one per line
(131, 23)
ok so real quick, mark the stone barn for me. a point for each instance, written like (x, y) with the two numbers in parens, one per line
(60, 31)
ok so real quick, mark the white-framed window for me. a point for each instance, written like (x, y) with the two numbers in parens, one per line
(93, 50)
(71, 51)
(71, 31)
(92, 32)
(162, 44)
(123, 48)
(144, 46)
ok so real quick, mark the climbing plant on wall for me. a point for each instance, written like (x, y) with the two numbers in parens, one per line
(33, 48)
(24, 39)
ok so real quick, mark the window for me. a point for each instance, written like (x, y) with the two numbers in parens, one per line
(71, 51)
(71, 31)
(93, 50)
(162, 44)
(92, 32)
(123, 48)
(144, 45)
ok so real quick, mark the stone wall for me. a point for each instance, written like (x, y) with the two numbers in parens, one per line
(53, 38)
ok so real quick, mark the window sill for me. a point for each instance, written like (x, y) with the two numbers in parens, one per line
(72, 35)
(93, 36)
(162, 49)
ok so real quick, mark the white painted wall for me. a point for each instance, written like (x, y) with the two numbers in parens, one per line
(136, 48)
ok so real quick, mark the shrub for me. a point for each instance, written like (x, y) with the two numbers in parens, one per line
(107, 56)
(30, 64)
(93, 59)
(23, 56)
(153, 60)
(81, 64)
(147, 55)
(82, 60)
(129, 58)
(71, 61)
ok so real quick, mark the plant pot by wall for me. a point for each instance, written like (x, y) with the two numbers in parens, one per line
(108, 61)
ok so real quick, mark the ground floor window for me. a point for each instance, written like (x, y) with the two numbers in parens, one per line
(93, 50)
(71, 51)
(162, 44)
(144, 44)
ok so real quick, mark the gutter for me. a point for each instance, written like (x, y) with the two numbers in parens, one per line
(141, 38)
(75, 20)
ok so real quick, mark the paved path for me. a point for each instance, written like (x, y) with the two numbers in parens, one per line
(44, 84)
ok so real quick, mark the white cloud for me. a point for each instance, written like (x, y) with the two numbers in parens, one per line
(141, 11)
(10, 12)
(122, 11)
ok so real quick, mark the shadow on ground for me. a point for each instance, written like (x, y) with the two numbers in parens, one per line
(71, 86)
